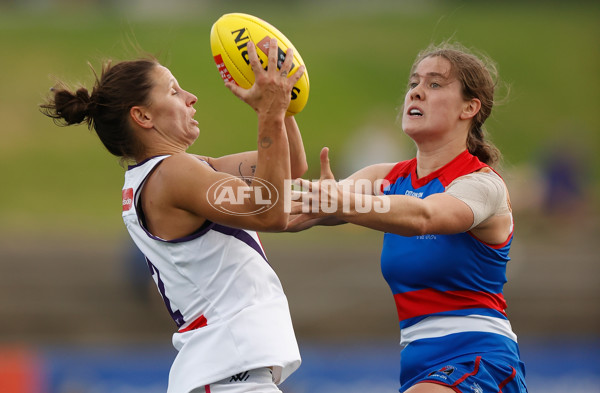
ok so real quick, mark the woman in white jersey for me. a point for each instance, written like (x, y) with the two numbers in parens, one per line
(194, 217)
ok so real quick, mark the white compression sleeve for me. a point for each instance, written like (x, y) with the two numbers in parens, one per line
(484, 192)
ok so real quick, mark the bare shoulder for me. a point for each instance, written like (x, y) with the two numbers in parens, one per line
(373, 172)
(183, 164)
(384, 168)
(178, 174)
(186, 159)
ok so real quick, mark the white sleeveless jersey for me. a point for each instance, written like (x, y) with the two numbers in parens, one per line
(223, 295)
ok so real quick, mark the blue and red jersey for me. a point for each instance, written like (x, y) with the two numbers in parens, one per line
(448, 289)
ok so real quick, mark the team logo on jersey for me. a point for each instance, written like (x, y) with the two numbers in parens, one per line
(442, 373)
(127, 199)
(241, 377)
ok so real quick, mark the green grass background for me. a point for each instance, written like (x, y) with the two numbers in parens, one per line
(357, 53)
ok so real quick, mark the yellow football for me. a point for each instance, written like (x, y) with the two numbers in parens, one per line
(229, 38)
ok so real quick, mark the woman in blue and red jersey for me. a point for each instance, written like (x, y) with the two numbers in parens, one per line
(448, 228)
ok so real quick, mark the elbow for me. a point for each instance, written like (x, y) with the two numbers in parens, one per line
(422, 223)
(415, 227)
(275, 223)
(420, 229)
(279, 226)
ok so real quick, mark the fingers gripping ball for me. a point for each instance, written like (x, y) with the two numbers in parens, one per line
(229, 38)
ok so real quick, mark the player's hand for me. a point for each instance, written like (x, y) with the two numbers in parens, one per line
(325, 166)
(272, 89)
(319, 198)
(301, 222)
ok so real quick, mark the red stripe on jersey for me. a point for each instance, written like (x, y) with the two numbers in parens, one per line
(494, 246)
(401, 169)
(462, 164)
(507, 380)
(474, 372)
(196, 324)
(430, 301)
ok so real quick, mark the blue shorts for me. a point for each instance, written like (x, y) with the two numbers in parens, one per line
(477, 376)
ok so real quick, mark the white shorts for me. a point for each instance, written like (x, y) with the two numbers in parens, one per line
(254, 381)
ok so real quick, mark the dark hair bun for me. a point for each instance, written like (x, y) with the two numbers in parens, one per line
(73, 108)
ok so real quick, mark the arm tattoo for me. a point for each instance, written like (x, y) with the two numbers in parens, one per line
(247, 180)
(266, 142)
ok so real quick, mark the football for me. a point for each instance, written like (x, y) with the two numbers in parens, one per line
(229, 37)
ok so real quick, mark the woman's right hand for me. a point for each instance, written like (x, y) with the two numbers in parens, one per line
(306, 205)
(272, 89)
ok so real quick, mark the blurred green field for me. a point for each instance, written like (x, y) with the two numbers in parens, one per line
(358, 55)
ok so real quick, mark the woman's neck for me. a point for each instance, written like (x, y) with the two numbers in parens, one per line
(429, 161)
